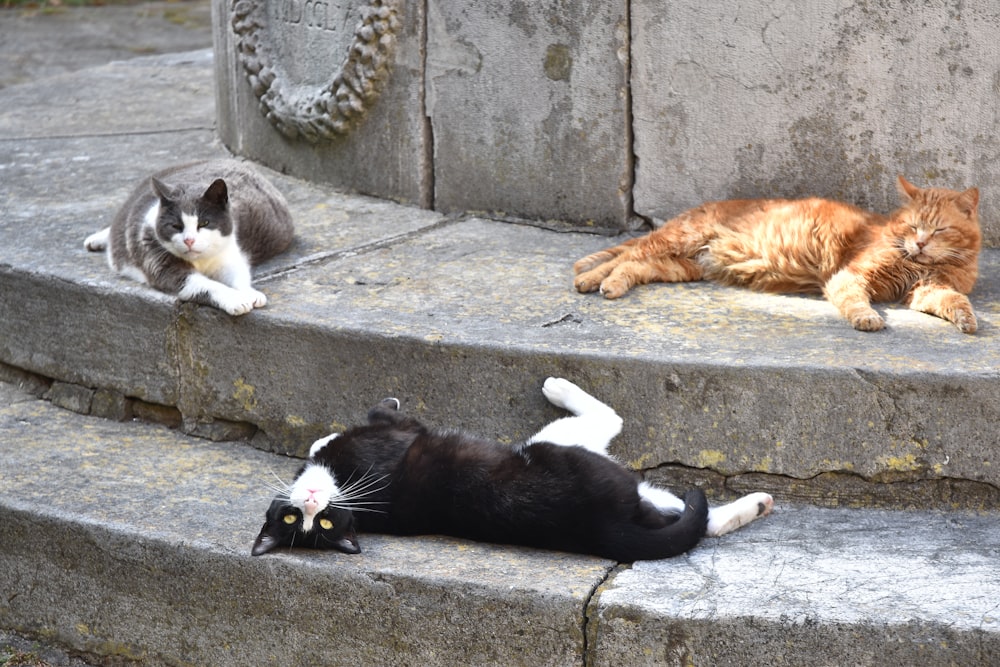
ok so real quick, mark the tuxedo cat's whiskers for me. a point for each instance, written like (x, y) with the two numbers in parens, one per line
(351, 496)
(278, 486)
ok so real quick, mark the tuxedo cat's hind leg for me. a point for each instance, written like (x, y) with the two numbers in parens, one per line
(721, 520)
(727, 518)
(593, 425)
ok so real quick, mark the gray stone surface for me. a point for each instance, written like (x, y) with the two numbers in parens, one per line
(815, 587)
(529, 107)
(59, 38)
(593, 112)
(127, 539)
(457, 316)
(386, 154)
(829, 98)
(132, 540)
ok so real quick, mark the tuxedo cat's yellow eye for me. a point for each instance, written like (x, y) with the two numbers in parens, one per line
(290, 519)
(325, 524)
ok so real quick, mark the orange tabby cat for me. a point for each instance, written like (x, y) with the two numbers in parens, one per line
(924, 254)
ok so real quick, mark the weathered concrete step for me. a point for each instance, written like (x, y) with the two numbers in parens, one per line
(132, 540)
(463, 317)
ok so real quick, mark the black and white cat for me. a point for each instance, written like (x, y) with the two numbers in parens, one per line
(195, 230)
(559, 490)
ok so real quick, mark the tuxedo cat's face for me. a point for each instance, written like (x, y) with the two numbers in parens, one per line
(192, 227)
(306, 515)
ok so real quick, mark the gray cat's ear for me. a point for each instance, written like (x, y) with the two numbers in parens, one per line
(348, 543)
(217, 193)
(264, 543)
(162, 190)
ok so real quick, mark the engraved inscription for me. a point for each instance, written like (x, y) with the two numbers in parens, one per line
(307, 38)
(320, 14)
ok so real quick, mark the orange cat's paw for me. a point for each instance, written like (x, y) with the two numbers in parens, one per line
(614, 287)
(587, 282)
(868, 321)
(966, 322)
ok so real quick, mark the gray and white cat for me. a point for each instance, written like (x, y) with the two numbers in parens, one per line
(195, 230)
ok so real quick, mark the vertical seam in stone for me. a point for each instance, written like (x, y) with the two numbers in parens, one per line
(627, 193)
(427, 159)
(634, 219)
(590, 605)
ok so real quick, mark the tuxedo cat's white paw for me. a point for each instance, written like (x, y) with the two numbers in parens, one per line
(98, 241)
(558, 390)
(566, 395)
(321, 443)
(727, 518)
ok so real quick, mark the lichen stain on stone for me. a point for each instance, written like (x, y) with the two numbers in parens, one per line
(708, 458)
(558, 62)
(904, 463)
(245, 394)
(641, 461)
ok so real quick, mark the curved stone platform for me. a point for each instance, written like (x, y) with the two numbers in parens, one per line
(461, 317)
(132, 540)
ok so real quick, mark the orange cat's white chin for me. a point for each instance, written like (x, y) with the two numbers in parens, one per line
(918, 255)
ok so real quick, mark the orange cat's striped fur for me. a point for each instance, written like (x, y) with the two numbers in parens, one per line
(924, 254)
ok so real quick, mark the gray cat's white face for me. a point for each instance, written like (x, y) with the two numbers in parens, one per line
(187, 235)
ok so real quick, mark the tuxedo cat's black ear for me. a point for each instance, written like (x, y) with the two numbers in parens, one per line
(217, 193)
(264, 542)
(348, 543)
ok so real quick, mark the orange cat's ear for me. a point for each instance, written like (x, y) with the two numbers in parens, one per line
(907, 190)
(967, 201)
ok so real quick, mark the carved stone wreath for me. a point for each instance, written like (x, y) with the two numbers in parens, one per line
(335, 108)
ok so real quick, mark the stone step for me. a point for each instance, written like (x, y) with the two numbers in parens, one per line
(133, 540)
(128, 539)
(463, 317)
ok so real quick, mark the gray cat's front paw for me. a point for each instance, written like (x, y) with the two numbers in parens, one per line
(241, 302)
(97, 241)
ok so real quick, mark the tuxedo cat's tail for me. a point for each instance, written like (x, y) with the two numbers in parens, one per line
(637, 541)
